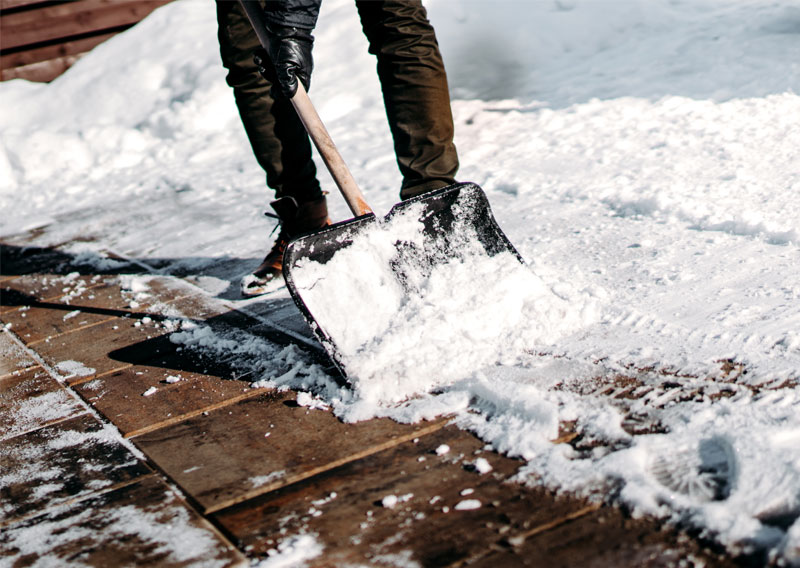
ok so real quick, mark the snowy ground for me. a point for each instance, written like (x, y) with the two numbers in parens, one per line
(642, 155)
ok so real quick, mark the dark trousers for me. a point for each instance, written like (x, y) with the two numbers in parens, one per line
(415, 94)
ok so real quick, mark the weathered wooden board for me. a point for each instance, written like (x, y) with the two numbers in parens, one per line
(41, 71)
(197, 306)
(257, 445)
(62, 462)
(62, 20)
(606, 537)
(46, 286)
(33, 399)
(39, 323)
(18, 259)
(39, 306)
(66, 49)
(143, 398)
(141, 294)
(143, 524)
(92, 347)
(281, 314)
(10, 4)
(445, 510)
(13, 358)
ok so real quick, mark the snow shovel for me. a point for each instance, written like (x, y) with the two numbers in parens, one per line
(344, 276)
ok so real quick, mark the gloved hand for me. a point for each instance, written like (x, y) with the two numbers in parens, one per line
(289, 59)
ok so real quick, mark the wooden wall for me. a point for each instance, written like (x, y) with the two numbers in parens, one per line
(40, 39)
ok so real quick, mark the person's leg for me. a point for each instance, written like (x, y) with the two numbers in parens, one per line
(279, 142)
(277, 136)
(415, 92)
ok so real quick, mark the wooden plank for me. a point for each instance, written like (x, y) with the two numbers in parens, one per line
(446, 511)
(174, 396)
(70, 48)
(261, 444)
(31, 289)
(283, 314)
(95, 348)
(13, 358)
(606, 537)
(16, 260)
(38, 324)
(31, 400)
(60, 463)
(12, 4)
(143, 524)
(73, 18)
(40, 72)
(108, 295)
(138, 296)
(197, 306)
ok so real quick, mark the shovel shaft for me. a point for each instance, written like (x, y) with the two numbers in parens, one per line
(313, 124)
(330, 155)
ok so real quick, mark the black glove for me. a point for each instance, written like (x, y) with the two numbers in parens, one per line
(289, 59)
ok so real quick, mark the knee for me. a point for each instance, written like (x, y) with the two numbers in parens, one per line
(397, 29)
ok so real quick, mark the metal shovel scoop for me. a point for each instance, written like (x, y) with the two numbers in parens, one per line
(447, 222)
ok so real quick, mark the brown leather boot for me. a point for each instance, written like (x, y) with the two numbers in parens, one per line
(295, 219)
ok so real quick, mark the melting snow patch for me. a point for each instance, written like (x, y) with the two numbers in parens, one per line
(70, 369)
(261, 480)
(468, 505)
(391, 501)
(482, 465)
(442, 449)
(311, 402)
(293, 552)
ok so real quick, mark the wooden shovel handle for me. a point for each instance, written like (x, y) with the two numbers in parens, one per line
(330, 155)
(314, 126)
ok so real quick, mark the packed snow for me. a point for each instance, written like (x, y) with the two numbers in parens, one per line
(642, 156)
(404, 325)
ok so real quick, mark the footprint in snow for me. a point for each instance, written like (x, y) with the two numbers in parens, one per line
(702, 469)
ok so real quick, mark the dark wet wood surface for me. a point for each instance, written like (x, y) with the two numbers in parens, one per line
(253, 468)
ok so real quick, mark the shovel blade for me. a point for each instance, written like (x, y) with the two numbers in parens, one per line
(358, 269)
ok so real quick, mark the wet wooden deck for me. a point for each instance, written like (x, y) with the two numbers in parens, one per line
(209, 471)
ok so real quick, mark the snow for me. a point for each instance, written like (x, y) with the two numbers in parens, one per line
(391, 501)
(292, 552)
(68, 524)
(467, 505)
(33, 411)
(482, 466)
(72, 369)
(642, 156)
(400, 336)
(260, 480)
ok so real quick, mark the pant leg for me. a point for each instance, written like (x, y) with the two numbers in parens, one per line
(277, 136)
(415, 92)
